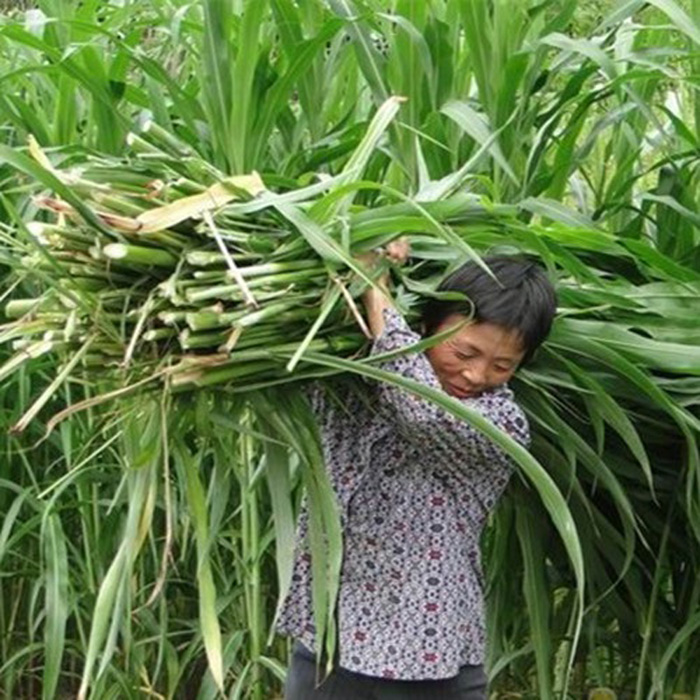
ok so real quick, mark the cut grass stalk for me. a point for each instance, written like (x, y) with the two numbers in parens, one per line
(232, 291)
(139, 255)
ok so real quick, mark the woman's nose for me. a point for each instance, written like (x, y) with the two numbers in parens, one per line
(475, 375)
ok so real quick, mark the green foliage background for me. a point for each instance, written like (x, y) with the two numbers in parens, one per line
(137, 549)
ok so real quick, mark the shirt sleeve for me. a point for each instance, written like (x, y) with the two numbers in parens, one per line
(424, 422)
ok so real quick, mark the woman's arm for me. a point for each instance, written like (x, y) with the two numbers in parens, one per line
(422, 421)
(376, 300)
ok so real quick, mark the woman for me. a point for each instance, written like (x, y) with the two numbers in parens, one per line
(415, 486)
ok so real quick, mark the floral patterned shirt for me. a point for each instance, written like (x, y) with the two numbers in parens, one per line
(415, 486)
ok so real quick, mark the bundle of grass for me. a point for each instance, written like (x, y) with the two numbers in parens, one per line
(157, 266)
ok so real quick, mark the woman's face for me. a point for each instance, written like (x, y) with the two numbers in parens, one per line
(477, 357)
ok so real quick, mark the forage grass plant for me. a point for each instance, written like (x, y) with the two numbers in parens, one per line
(165, 302)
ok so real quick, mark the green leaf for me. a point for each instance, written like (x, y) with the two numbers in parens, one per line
(277, 473)
(537, 595)
(28, 166)
(371, 62)
(477, 127)
(57, 604)
(211, 633)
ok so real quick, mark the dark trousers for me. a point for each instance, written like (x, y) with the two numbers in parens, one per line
(469, 684)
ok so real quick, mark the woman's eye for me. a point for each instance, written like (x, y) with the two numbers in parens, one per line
(462, 356)
(503, 369)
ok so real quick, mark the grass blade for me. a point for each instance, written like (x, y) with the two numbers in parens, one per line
(56, 603)
(211, 633)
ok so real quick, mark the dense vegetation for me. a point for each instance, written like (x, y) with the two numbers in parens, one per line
(146, 538)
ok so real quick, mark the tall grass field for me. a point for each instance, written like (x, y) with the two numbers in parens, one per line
(185, 186)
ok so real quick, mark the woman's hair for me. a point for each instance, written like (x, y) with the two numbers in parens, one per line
(522, 299)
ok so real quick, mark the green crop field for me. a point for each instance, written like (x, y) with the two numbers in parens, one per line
(184, 186)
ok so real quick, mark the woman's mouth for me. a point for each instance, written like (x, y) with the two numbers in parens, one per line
(459, 392)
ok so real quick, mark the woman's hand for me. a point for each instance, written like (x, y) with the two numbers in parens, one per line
(398, 251)
(375, 300)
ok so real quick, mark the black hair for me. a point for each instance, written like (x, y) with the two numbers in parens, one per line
(521, 299)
